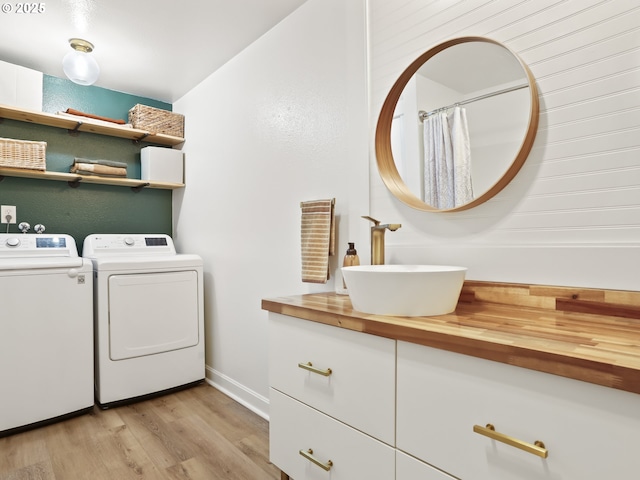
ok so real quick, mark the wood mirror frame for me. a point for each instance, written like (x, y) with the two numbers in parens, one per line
(384, 156)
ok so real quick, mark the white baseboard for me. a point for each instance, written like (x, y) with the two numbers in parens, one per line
(255, 402)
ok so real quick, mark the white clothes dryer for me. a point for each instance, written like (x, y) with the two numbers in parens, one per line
(148, 317)
(46, 331)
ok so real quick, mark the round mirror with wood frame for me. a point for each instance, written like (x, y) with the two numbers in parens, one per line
(383, 138)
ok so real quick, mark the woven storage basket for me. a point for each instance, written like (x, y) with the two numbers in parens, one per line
(22, 154)
(156, 120)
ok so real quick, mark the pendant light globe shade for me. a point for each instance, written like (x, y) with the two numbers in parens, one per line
(79, 66)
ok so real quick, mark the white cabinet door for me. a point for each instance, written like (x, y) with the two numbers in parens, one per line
(408, 468)
(345, 453)
(360, 389)
(591, 432)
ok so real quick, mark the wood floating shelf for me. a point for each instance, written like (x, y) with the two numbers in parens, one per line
(82, 125)
(89, 126)
(75, 180)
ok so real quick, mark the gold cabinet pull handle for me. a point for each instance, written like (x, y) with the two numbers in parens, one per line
(308, 454)
(309, 366)
(537, 448)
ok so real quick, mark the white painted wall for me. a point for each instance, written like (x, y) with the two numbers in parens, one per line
(283, 122)
(572, 214)
(287, 121)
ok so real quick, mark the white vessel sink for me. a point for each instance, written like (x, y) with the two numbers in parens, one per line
(404, 290)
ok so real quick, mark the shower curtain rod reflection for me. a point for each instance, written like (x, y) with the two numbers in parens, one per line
(422, 115)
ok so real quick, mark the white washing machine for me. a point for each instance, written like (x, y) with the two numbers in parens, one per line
(46, 331)
(148, 316)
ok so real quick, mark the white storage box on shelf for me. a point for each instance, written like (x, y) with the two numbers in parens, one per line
(159, 164)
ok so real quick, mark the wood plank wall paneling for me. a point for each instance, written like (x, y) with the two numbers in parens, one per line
(581, 183)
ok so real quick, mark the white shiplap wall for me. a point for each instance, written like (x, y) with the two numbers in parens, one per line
(572, 214)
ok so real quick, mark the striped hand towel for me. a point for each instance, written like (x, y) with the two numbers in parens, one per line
(317, 239)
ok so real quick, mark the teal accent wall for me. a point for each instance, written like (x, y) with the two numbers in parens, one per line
(88, 208)
(58, 94)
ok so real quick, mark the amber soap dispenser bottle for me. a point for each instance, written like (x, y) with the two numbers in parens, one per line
(350, 259)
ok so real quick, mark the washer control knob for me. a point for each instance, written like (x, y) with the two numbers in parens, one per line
(129, 241)
(73, 272)
(13, 242)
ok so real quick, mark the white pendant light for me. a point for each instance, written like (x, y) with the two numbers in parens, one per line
(79, 66)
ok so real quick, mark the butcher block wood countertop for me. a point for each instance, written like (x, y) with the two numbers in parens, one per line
(585, 334)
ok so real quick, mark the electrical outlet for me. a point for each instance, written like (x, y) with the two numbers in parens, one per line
(8, 214)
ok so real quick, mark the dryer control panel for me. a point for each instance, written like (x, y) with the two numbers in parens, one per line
(122, 244)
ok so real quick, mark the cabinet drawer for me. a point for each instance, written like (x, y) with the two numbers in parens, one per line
(590, 431)
(354, 455)
(359, 391)
(408, 468)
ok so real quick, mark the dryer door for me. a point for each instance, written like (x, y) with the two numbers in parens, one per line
(152, 313)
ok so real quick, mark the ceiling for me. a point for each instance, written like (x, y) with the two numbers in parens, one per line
(154, 48)
(474, 67)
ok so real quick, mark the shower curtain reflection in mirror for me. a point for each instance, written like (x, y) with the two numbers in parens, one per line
(447, 159)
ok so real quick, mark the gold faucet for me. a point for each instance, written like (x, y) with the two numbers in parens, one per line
(377, 239)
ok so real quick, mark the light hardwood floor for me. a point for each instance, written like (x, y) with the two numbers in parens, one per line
(197, 433)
